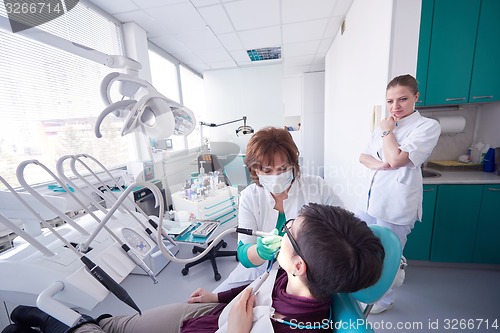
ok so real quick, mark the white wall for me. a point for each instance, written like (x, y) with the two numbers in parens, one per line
(357, 67)
(313, 117)
(255, 92)
(292, 95)
(489, 124)
(405, 32)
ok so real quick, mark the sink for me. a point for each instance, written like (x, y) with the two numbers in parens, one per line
(430, 173)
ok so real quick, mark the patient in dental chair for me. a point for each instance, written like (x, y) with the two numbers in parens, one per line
(325, 250)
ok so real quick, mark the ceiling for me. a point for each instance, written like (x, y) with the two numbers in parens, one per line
(216, 34)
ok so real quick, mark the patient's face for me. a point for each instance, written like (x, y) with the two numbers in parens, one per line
(287, 251)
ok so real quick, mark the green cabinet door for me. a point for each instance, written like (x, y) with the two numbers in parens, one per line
(454, 30)
(455, 222)
(424, 46)
(418, 245)
(485, 84)
(487, 247)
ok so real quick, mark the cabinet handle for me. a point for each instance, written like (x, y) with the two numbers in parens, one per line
(455, 99)
(478, 97)
(494, 189)
(429, 190)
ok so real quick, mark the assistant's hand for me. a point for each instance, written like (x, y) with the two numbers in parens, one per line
(267, 246)
(388, 124)
(202, 296)
(241, 314)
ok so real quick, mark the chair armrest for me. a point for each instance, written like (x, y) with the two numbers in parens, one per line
(347, 315)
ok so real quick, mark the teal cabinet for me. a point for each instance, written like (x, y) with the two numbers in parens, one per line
(455, 223)
(453, 37)
(424, 46)
(485, 85)
(418, 245)
(487, 246)
(458, 52)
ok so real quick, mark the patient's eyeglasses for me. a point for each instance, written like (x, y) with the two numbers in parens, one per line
(286, 229)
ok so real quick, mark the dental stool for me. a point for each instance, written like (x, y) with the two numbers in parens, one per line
(346, 309)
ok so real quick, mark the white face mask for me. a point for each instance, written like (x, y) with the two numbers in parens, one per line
(276, 183)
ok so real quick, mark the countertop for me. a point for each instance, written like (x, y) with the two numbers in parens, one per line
(462, 177)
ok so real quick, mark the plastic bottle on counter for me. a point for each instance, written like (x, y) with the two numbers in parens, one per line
(476, 152)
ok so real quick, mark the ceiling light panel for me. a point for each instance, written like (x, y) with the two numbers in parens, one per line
(266, 53)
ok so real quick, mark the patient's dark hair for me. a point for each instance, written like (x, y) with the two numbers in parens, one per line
(341, 252)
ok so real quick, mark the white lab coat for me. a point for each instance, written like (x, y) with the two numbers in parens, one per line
(396, 195)
(256, 212)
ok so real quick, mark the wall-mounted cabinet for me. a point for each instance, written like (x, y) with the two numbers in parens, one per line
(424, 45)
(485, 85)
(459, 45)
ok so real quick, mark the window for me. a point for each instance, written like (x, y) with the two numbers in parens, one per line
(192, 95)
(51, 98)
(164, 75)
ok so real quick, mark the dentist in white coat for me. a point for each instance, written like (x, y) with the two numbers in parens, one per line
(278, 193)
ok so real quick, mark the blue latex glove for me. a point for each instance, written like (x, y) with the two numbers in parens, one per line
(269, 245)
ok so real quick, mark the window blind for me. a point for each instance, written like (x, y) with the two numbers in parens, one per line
(50, 98)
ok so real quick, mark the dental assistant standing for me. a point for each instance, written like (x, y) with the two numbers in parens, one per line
(278, 193)
(393, 194)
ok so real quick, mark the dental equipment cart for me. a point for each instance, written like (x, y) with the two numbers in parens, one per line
(221, 206)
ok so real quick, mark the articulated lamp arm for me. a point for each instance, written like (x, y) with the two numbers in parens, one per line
(222, 124)
(243, 129)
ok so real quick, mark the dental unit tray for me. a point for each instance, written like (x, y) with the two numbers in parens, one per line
(205, 228)
(198, 232)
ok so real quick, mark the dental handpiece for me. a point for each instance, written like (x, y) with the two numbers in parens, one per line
(108, 282)
(139, 263)
(263, 277)
(254, 232)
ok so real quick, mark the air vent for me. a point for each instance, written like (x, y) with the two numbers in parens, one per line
(266, 53)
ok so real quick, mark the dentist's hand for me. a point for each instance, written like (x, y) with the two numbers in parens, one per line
(268, 246)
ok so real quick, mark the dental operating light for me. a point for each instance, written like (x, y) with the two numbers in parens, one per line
(142, 106)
